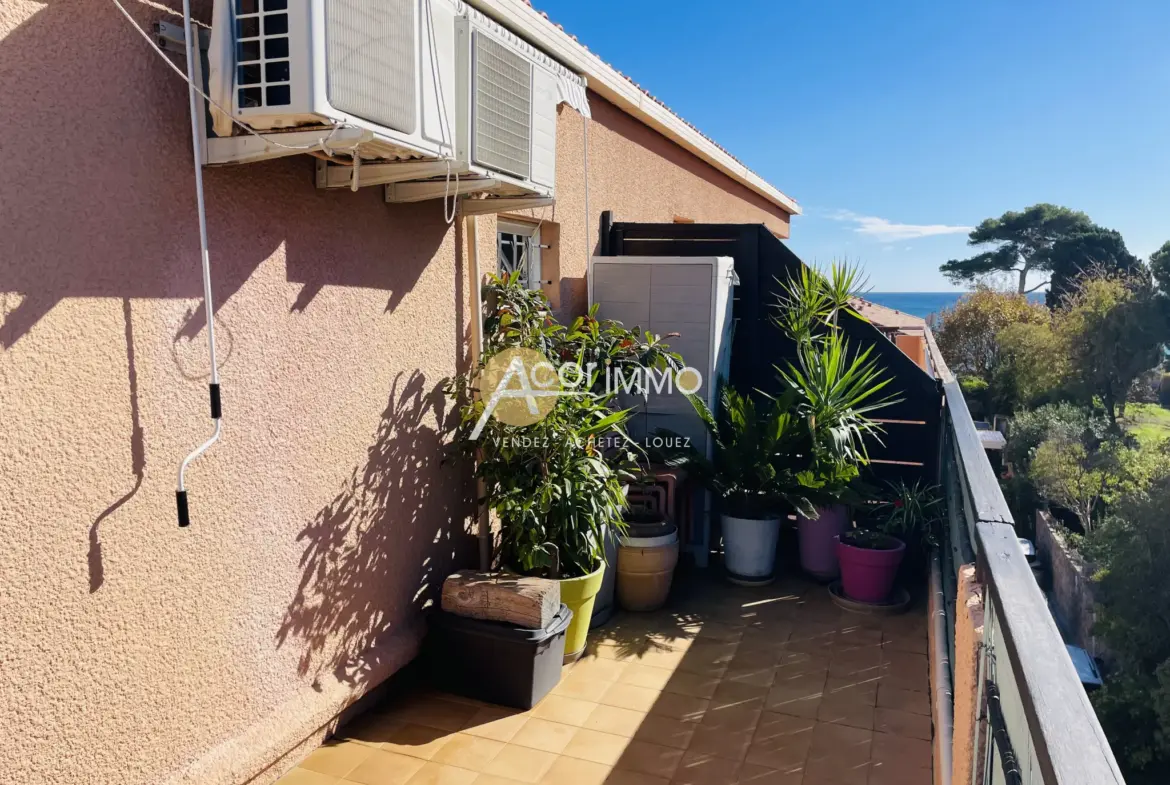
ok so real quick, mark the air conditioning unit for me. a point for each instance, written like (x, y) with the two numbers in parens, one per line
(383, 66)
(507, 106)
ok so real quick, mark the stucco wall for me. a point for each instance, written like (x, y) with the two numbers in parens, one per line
(1072, 595)
(135, 652)
(968, 637)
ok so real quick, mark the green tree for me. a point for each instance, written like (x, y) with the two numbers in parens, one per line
(1131, 549)
(1033, 367)
(967, 332)
(1071, 475)
(1018, 242)
(1112, 329)
(1160, 267)
(1094, 252)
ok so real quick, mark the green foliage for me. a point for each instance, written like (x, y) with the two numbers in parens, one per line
(1094, 252)
(1164, 391)
(1053, 421)
(968, 332)
(976, 392)
(1019, 242)
(1077, 478)
(1160, 267)
(1033, 367)
(836, 390)
(757, 452)
(910, 512)
(1111, 329)
(1131, 550)
(549, 483)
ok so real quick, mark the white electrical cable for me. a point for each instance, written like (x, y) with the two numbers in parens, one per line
(189, 78)
(455, 199)
(197, 156)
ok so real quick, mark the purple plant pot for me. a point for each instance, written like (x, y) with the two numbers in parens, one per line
(867, 574)
(818, 541)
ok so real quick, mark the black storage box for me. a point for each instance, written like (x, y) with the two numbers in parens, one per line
(493, 661)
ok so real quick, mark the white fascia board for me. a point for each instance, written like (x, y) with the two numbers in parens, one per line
(525, 21)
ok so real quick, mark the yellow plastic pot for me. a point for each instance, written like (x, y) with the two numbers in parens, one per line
(579, 594)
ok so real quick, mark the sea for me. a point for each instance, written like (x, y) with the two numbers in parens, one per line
(923, 304)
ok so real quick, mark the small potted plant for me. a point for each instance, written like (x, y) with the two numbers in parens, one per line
(870, 558)
(753, 475)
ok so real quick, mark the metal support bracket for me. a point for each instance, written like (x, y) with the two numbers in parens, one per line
(341, 176)
(169, 38)
(437, 189)
(500, 204)
(247, 148)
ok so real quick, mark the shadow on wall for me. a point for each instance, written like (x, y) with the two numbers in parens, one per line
(381, 549)
(114, 215)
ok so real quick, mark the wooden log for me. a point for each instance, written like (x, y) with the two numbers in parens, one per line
(526, 602)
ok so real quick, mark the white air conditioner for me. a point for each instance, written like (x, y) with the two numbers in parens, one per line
(507, 106)
(384, 66)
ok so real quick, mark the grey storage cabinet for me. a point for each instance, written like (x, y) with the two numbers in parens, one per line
(691, 296)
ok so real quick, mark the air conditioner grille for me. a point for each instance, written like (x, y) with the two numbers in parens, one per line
(262, 64)
(371, 53)
(503, 108)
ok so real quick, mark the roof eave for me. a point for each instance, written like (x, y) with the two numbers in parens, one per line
(605, 80)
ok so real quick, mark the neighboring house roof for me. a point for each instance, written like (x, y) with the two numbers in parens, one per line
(887, 318)
(617, 88)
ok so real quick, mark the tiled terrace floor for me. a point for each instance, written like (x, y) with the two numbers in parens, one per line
(725, 686)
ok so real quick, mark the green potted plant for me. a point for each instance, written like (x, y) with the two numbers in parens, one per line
(555, 481)
(903, 522)
(753, 475)
(836, 390)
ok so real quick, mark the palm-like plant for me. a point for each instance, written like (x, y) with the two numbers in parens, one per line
(754, 469)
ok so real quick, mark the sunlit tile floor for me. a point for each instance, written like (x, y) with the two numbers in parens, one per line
(724, 686)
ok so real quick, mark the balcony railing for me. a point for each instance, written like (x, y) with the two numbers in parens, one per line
(1035, 723)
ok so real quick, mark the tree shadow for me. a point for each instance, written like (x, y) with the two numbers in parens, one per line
(97, 570)
(377, 554)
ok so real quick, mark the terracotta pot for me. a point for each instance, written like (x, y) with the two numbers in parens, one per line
(645, 568)
(867, 574)
(818, 541)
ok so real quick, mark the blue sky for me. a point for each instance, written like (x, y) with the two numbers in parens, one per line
(895, 124)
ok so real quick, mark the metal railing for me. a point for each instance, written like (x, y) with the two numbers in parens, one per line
(1035, 724)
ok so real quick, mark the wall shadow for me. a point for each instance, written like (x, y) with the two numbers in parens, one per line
(377, 554)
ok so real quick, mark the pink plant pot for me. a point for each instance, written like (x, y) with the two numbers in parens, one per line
(818, 541)
(867, 574)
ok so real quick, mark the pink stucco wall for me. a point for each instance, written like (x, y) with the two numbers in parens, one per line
(135, 652)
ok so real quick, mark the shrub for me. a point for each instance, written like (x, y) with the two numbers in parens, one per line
(1164, 391)
(1031, 427)
(975, 391)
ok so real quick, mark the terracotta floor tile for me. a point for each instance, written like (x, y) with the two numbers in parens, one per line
(615, 720)
(468, 752)
(337, 758)
(760, 676)
(753, 774)
(666, 731)
(647, 758)
(857, 690)
(905, 676)
(844, 711)
(569, 711)
(841, 743)
(896, 641)
(703, 769)
(622, 777)
(596, 746)
(901, 751)
(850, 635)
(661, 658)
(798, 665)
(895, 774)
(830, 771)
(299, 776)
(693, 684)
(496, 723)
(435, 712)
(733, 693)
(903, 723)
(627, 696)
(582, 687)
(781, 742)
(544, 735)
(371, 729)
(732, 717)
(491, 779)
(572, 771)
(599, 668)
(748, 659)
(890, 697)
(707, 657)
(732, 745)
(385, 768)
(439, 774)
(646, 676)
(721, 632)
(680, 707)
(800, 697)
(417, 741)
(522, 764)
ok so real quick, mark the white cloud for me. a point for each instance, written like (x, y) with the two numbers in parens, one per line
(886, 231)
